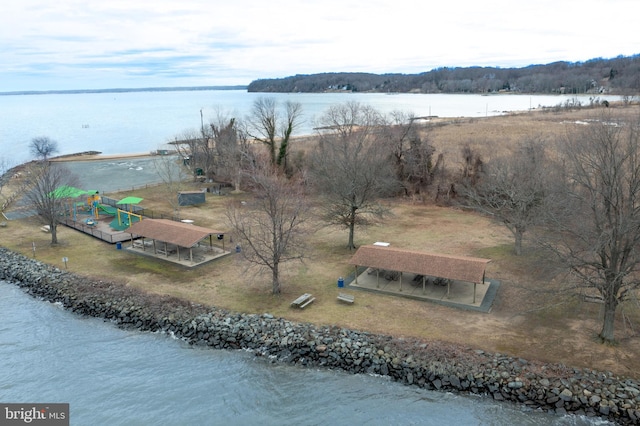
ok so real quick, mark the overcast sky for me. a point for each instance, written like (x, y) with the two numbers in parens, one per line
(95, 44)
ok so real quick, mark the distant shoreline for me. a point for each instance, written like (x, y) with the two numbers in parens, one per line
(97, 156)
(121, 90)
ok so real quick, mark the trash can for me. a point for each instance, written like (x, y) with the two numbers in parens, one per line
(238, 249)
(118, 245)
(340, 282)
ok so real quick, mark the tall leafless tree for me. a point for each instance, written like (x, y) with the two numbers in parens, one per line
(4, 177)
(512, 188)
(232, 147)
(47, 193)
(270, 227)
(189, 144)
(42, 147)
(411, 151)
(173, 176)
(593, 219)
(265, 124)
(351, 167)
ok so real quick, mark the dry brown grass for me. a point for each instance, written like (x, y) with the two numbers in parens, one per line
(529, 319)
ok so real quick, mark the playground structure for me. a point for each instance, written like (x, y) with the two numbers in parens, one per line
(96, 211)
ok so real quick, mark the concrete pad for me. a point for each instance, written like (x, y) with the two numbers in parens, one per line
(457, 293)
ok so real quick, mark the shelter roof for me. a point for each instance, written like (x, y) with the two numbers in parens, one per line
(130, 200)
(169, 231)
(470, 269)
(67, 192)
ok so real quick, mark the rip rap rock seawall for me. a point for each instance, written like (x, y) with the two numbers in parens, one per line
(430, 365)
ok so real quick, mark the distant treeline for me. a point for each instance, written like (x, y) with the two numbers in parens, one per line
(620, 75)
(122, 90)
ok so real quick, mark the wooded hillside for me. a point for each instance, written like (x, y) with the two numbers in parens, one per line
(620, 75)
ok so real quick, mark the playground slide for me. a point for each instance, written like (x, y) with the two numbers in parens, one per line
(112, 211)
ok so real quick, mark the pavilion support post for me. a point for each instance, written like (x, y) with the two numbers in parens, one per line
(377, 278)
(155, 249)
(166, 250)
(178, 250)
(356, 274)
(448, 287)
(424, 283)
(474, 292)
(191, 254)
(400, 281)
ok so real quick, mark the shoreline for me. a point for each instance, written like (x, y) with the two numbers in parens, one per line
(98, 156)
(431, 365)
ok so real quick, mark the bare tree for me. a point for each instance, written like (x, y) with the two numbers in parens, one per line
(42, 147)
(186, 144)
(593, 221)
(50, 190)
(4, 177)
(270, 227)
(512, 189)
(173, 175)
(472, 165)
(266, 125)
(351, 166)
(232, 147)
(411, 152)
(198, 151)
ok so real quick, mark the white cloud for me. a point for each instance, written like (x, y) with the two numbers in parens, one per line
(123, 43)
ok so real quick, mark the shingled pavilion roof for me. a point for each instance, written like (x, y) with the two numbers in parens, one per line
(469, 269)
(169, 231)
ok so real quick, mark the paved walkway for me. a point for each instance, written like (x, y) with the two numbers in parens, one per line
(457, 294)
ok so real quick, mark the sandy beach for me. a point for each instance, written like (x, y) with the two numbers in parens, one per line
(95, 156)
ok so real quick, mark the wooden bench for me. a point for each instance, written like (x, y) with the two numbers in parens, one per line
(347, 298)
(304, 300)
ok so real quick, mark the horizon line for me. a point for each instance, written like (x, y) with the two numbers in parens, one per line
(123, 90)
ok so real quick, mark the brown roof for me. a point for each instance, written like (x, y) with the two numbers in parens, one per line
(470, 269)
(178, 233)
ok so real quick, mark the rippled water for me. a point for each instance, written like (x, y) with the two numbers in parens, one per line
(111, 376)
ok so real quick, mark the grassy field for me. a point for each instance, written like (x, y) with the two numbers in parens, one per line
(529, 318)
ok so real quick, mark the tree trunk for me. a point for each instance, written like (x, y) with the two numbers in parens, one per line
(608, 322)
(518, 243)
(352, 226)
(54, 233)
(275, 280)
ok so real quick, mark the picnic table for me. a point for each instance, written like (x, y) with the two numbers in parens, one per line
(347, 298)
(304, 300)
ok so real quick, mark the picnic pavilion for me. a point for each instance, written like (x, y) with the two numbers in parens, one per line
(395, 267)
(176, 241)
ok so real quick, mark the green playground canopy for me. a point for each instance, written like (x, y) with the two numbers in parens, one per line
(67, 192)
(130, 200)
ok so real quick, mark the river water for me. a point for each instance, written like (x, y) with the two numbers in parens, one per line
(139, 122)
(112, 377)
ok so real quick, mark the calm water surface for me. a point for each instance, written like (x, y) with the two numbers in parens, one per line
(115, 377)
(132, 122)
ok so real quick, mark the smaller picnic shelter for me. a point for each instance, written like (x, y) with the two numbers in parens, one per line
(172, 234)
(451, 268)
